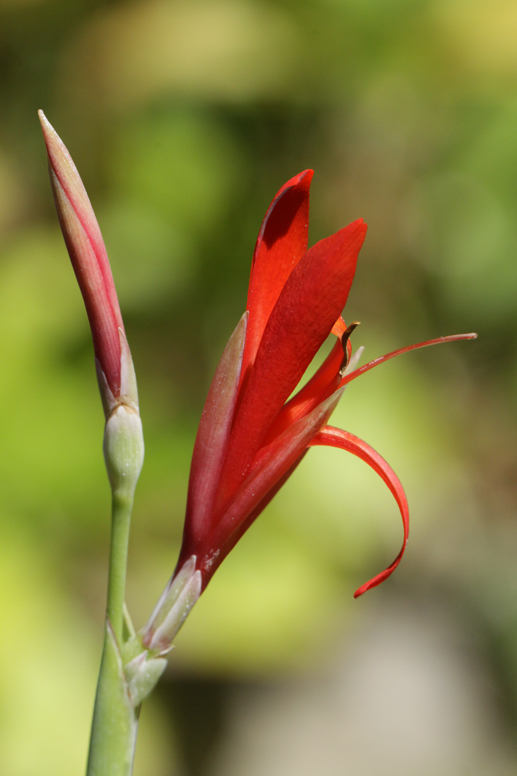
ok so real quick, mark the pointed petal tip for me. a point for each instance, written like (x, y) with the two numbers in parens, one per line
(306, 176)
(47, 129)
(355, 231)
(59, 157)
(354, 234)
(368, 585)
(49, 132)
(380, 578)
(303, 175)
(361, 591)
(301, 181)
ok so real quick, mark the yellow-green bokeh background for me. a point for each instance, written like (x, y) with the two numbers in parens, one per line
(184, 118)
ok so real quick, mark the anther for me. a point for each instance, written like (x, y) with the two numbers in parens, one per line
(344, 342)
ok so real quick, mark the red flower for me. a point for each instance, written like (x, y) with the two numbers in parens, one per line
(251, 437)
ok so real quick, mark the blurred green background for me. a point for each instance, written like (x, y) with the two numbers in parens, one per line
(184, 118)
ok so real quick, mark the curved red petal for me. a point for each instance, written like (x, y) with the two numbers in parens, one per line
(281, 243)
(376, 361)
(336, 437)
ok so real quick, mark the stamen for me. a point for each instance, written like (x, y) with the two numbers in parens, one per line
(354, 360)
(347, 351)
(376, 361)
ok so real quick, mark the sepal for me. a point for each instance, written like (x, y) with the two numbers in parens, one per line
(128, 387)
(172, 609)
(142, 675)
(212, 437)
(115, 722)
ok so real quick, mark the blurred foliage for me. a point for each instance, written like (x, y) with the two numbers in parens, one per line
(184, 118)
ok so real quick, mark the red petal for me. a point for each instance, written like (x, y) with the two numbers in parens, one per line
(212, 440)
(324, 382)
(281, 243)
(270, 465)
(339, 327)
(376, 361)
(336, 437)
(311, 301)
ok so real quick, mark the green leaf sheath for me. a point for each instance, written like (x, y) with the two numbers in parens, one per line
(115, 721)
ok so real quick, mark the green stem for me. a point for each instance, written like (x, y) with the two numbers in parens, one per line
(115, 722)
(122, 506)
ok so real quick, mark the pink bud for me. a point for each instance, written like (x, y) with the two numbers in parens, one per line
(91, 266)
